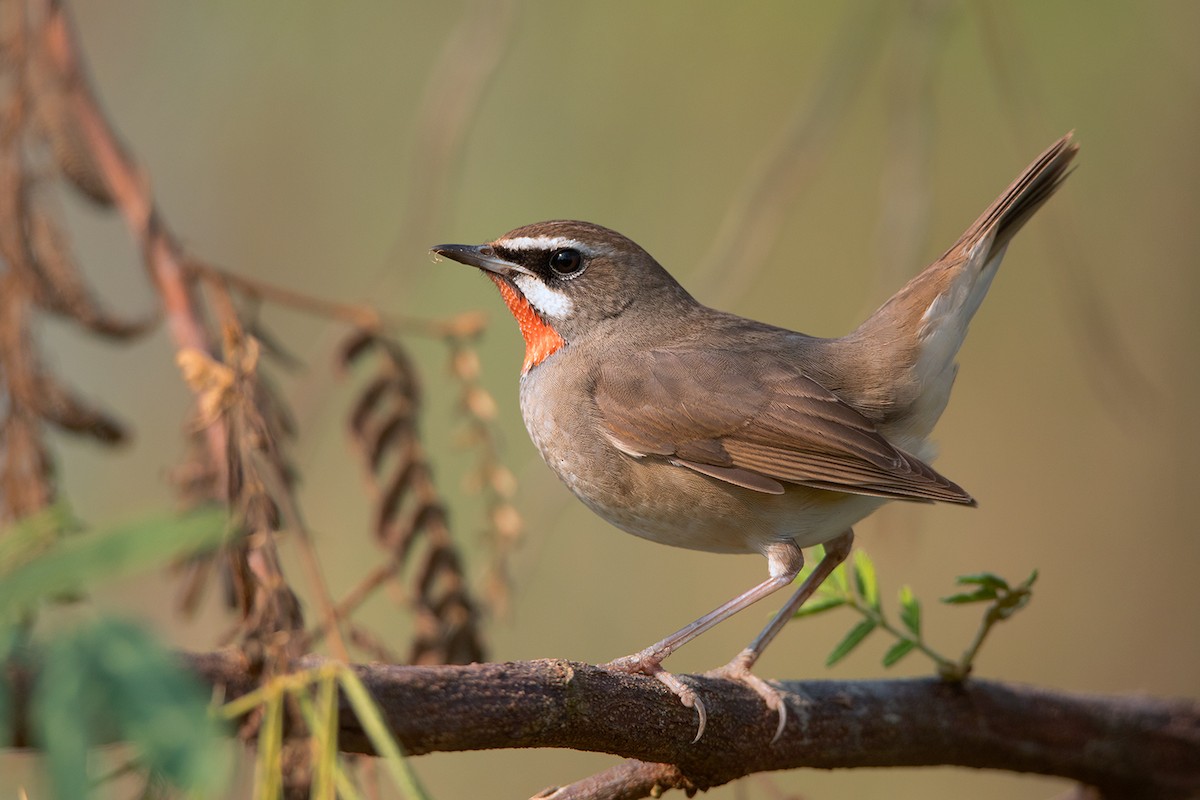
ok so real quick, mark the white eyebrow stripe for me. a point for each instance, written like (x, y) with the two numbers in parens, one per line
(542, 243)
(546, 301)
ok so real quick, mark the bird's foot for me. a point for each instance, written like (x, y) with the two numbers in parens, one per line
(646, 663)
(739, 670)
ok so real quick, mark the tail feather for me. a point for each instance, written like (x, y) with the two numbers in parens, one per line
(918, 332)
(1012, 209)
(946, 285)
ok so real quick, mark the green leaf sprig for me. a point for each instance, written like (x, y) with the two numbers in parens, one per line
(856, 586)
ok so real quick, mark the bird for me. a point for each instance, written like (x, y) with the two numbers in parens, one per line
(701, 429)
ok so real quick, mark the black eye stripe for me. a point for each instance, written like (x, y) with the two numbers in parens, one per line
(533, 259)
(563, 263)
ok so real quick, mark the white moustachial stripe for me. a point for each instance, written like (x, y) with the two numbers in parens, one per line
(546, 301)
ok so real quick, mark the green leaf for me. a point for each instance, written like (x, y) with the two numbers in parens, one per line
(898, 651)
(985, 579)
(910, 610)
(9, 637)
(837, 580)
(1028, 582)
(159, 707)
(865, 580)
(90, 557)
(853, 639)
(821, 603)
(1012, 603)
(22, 540)
(66, 710)
(110, 680)
(977, 596)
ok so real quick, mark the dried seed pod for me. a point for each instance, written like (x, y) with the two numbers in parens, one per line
(61, 286)
(410, 518)
(72, 151)
(60, 407)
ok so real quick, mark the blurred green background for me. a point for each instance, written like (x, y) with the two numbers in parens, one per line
(326, 146)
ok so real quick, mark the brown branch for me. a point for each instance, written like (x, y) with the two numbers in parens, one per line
(464, 325)
(1125, 746)
(629, 780)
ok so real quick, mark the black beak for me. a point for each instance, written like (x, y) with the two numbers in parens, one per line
(481, 256)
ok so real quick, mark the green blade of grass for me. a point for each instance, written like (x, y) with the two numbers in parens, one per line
(381, 738)
(268, 767)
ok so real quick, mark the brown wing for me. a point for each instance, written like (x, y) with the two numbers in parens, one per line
(757, 425)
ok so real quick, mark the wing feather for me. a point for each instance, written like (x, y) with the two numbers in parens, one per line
(757, 425)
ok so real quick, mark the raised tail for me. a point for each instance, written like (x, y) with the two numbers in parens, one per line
(915, 336)
(1025, 196)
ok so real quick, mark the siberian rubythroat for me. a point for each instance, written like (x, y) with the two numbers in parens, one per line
(701, 429)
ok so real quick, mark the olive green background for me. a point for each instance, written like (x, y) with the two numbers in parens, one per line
(300, 143)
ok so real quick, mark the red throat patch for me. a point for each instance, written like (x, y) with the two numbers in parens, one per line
(541, 341)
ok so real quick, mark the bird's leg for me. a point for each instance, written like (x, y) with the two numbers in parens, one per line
(738, 669)
(785, 559)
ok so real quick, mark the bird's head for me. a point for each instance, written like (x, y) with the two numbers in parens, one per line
(564, 280)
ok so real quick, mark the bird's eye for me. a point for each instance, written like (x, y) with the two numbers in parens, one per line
(566, 262)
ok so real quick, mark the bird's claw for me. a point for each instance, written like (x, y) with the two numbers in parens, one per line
(739, 670)
(646, 664)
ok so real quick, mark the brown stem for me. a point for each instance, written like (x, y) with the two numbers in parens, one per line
(1126, 746)
(131, 194)
(629, 780)
(357, 314)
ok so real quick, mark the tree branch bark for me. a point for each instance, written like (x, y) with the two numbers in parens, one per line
(1125, 746)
